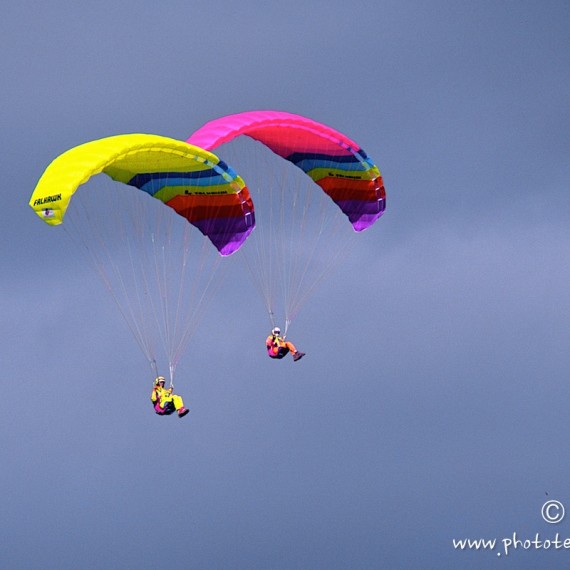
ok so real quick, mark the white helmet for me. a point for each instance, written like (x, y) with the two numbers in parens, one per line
(276, 331)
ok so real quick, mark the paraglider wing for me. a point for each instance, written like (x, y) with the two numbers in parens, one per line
(335, 162)
(194, 182)
(161, 273)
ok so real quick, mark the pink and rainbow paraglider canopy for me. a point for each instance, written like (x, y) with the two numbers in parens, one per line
(335, 162)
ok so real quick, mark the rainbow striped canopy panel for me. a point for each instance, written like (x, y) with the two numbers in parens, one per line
(335, 162)
(194, 182)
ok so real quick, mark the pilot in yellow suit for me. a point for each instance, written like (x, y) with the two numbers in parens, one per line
(164, 401)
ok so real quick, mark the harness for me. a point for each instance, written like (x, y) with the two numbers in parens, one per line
(168, 406)
(278, 343)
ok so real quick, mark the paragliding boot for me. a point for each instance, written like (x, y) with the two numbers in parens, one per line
(182, 412)
(298, 355)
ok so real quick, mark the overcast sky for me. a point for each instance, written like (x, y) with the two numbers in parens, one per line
(433, 401)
